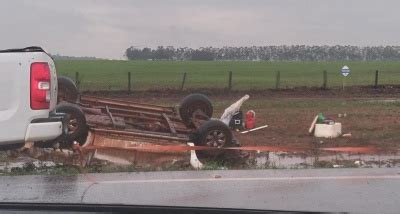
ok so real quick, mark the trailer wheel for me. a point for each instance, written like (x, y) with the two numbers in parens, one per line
(67, 90)
(75, 122)
(213, 133)
(192, 103)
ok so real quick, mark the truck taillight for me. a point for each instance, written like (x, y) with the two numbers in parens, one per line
(40, 85)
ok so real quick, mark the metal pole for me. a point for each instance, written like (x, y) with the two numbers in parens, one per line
(278, 79)
(77, 82)
(376, 78)
(230, 80)
(129, 81)
(343, 82)
(183, 81)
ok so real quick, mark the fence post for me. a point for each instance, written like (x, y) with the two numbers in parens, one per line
(183, 81)
(129, 82)
(77, 81)
(230, 80)
(376, 78)
(278, 79)
(325, 83)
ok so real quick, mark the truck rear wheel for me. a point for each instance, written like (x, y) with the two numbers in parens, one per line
(67, 90)
(75, 121)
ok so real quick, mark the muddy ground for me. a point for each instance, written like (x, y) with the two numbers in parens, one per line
(370, 114)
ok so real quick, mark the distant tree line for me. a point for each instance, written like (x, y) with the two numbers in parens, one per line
(268, 53)
(60, 57)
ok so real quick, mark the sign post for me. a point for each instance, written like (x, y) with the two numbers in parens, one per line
(345, 71)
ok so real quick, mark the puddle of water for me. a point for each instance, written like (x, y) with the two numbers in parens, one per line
(35, 158)
(38, 158)
(384, 100)
(298, 161)
(22, 163)
(281, 160)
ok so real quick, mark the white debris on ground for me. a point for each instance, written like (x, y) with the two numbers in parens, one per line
(194, 161)
(231, 110)
(255, 129)
(328, 130)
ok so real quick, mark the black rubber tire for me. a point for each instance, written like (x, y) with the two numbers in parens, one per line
(73, 111)
(67, 90)
(201, 139)
(213, 126)
(193, 102)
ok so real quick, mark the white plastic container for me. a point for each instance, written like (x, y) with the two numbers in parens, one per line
(328, 131)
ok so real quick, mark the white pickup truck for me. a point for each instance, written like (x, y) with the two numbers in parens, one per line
(28, 97)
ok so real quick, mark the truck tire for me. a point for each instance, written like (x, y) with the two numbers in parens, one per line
(191, 104)
(75, 121)
(67, 90)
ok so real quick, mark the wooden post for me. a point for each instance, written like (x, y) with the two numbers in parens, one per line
(278, 79)
(77, 81)
(129, 82)
(230, 80)
(325, 81)
(376, 78)
(183, 81)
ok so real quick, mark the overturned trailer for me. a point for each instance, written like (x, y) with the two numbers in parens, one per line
(121, 123)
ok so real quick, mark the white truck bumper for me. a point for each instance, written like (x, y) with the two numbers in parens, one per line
(43, 131)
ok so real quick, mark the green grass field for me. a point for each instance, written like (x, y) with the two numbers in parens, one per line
(112, 74)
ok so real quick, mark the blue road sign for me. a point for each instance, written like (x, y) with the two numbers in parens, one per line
(345, 71)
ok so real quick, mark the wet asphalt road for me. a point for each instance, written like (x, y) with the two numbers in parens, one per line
(371, 190)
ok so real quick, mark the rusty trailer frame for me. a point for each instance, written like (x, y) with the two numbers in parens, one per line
(135, 121)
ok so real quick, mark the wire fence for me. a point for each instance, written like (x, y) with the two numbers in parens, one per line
(230, 80)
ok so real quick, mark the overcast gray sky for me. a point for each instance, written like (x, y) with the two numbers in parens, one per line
(106, 28)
